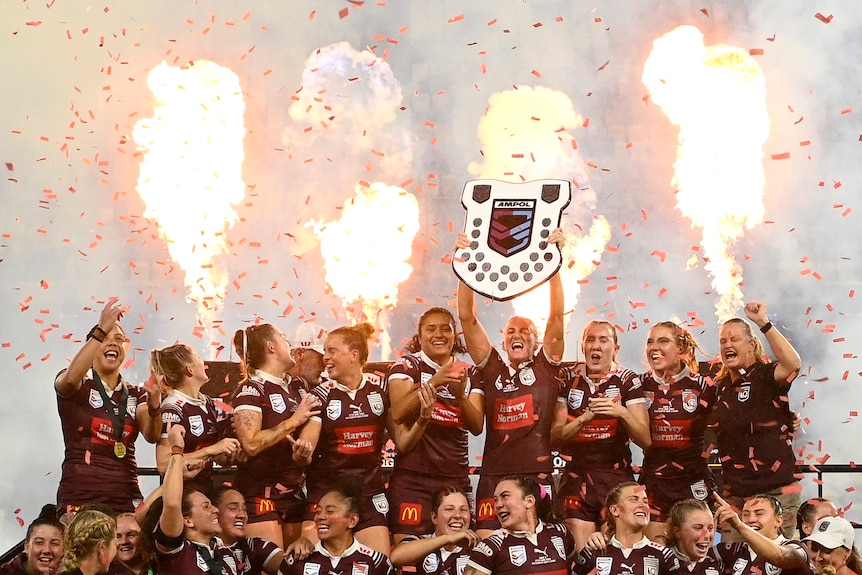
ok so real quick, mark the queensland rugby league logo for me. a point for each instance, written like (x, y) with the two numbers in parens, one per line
(508, 226)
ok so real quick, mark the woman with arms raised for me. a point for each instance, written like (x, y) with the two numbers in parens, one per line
(101, 415)
(754, 431)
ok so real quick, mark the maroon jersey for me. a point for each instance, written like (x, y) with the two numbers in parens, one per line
(356, 560)
(645, 558)
(739, 559)
(549, 552)
(276, 400)
(15, 566)
(602, 443)
(440, 561)
(519, 411)
(678, 413)
(351, 435)
(707, 566)
(753, 436)
(252, 554)
(442, 449)
(192, 558)
(91, 471)
(198, 417)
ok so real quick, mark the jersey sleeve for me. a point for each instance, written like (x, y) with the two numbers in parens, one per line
(632, 388)
(585, 562)
(404, 368)
(249, 398)
(482, 556)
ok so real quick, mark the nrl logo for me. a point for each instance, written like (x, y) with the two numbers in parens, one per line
(508, 226)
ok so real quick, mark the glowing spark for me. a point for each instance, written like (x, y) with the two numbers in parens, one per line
(191, 170)
(717, 97)
(366, 251)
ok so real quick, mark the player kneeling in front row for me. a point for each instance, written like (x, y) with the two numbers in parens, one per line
(528, 541)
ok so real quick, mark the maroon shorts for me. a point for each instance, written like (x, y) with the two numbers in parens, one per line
(663, 492)
(286, 507)
(373, 512)
(582, 494)
(118, 501)
(410, 497)
(486, 517)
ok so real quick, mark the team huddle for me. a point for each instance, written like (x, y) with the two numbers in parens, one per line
(307, 425)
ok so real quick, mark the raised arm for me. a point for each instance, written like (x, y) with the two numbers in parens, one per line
(554, 344)
(789, 362)
(70, 380)
(148, 414)
(171, 519)
(475, 337)
(783, 556)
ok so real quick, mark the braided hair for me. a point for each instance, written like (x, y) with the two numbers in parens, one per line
(83, 535)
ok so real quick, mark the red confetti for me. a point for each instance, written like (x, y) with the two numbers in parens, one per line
(824, 19)
(458, 18)
(343, 13)
(783, 156)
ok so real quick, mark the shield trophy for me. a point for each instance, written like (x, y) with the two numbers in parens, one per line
(508, 227)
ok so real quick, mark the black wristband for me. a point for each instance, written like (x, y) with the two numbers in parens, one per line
(766, 327)
(97, 333)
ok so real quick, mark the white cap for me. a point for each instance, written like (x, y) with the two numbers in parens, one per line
(310, 336)
(832, 532)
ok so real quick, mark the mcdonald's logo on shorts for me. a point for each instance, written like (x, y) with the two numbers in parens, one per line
(265, 506)
(485, 509)
(410, 514)
(571, 502)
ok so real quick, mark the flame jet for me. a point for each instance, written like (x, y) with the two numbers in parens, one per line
(191, 171)
(717, 97)
(366, 251)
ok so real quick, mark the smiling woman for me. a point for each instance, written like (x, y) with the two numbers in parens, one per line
(101, 415)
(529, 541)
(753, 413)
(336, 516)
(135, 555)
(627, 511)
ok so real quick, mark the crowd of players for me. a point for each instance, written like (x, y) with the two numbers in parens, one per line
(306, 427)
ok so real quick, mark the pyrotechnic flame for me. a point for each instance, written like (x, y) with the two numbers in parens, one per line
(525, 135)
(717, 97)
(366, 251)
(581, 256)
(191, 171)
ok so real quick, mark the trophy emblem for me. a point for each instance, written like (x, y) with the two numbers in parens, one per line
(508, 226)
